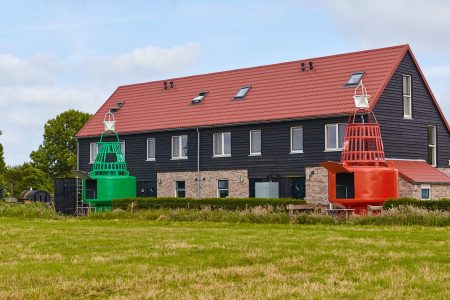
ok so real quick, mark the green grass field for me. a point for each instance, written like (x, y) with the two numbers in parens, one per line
(125, 259)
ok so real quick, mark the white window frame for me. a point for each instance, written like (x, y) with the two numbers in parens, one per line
(176, 189)
(433, 146)
(251, 143)
(336, 125)
(425, 187)
(218, 190)
(409, 96)
(222, 136)
(180, 146)
(290, 138)
(154, 142)
(91, 147)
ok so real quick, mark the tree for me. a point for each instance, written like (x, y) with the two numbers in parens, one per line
(24, 177)
(2, 166)
(57, 156)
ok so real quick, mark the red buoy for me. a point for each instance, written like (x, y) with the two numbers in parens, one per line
(363, 177)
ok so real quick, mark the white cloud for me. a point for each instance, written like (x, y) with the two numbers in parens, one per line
(39, 69)
(143, 64)
(34, 90)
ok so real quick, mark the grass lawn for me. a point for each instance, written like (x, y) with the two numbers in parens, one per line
(147, 259)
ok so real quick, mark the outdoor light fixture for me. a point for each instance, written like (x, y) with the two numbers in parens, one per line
(109, 122)
(361, 98)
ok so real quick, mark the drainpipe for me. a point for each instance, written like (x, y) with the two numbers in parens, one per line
(198, 164)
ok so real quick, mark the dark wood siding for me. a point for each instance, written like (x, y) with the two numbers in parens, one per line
(407, 138)
(275, 147)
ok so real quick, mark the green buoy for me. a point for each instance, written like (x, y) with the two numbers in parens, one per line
(109, 178)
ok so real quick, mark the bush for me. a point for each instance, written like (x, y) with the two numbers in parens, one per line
(28, 210)
(442, 204)
(278, 204)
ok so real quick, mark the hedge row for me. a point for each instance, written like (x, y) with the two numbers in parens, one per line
(213, 203)
(442, 204)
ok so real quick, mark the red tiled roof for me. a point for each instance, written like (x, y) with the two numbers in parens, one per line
(279, 91)
(420, 172)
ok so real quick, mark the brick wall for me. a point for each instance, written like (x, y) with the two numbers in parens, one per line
(238, 186)
(407, 189)
(446, 171)
(316, 185)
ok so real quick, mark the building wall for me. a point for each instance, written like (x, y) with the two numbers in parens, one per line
(410, 190)
(317, 185)
(405, 188)
(407, 138)
(237, 183)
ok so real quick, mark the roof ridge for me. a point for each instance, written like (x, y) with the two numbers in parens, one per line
(268, 65)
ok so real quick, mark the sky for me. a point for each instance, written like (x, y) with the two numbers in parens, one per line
(58, 55)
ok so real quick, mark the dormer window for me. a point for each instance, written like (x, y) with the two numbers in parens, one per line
(242, 92)
(200, 97)
(355, 79)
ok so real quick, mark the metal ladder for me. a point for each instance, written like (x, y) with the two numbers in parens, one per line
(82, 207)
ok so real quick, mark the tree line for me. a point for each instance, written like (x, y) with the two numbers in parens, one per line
(55, 157)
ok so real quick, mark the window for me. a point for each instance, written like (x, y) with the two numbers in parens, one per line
(179, 147)
(334, 137)
(122, 148)
(222, 188)
(425, 192)
(407, 101)
(93, 151)
(255, 142)
(296, 139)
(180, 189)
(222, 144)
(432, 145)
(242, 92)
(199, 98)
(151, 149)
(355, 79)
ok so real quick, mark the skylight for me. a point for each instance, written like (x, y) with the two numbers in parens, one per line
(242, 92)
(355, 79)
(200, 97)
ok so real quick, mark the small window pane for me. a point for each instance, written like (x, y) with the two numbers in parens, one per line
(425, 193)
(407, 106)
(255, 142)
(227, 143)
(341, 135)
(331, 136)
(431, 135)
(297, 139)
(217, 144)
(150, 148)
(355, 78)
(180, 185)
(184, 145)
(406, 85)
(223, 184)
(242, 92)
(175, 146)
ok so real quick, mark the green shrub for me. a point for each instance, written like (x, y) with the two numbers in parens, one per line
(28, 210)
(442, 204)
(213, 203)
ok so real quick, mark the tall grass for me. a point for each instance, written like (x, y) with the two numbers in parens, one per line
(28, 210)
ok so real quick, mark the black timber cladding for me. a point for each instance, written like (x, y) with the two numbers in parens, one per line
(406, 139)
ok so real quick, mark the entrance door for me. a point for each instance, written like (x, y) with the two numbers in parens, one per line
(298, 187)
(146, 189)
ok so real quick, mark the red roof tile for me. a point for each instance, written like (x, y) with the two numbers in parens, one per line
(279, 91)
(420, 172)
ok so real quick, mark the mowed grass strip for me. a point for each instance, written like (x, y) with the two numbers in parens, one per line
(129, 259)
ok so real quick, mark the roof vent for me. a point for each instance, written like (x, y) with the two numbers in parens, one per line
(302, 65)
(311, 66)
(171, 84)
(199, 98)
(165, 85)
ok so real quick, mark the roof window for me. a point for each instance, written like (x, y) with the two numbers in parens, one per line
(200, 97)
(242, 92)
(355, 79)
